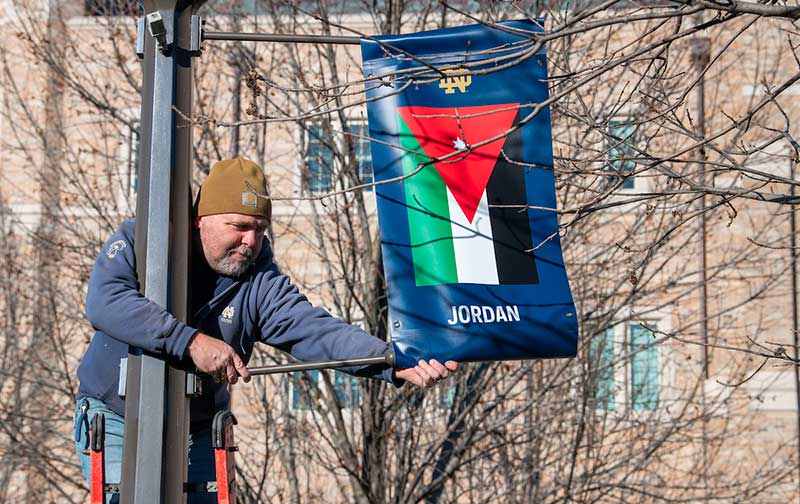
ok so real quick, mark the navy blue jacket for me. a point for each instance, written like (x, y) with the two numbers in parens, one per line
(263, 305)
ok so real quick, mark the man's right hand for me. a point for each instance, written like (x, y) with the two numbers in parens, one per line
(217, 358)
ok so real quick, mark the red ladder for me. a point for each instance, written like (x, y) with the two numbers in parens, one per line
(224, 449)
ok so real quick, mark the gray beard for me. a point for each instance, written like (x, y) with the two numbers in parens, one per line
(229, 267)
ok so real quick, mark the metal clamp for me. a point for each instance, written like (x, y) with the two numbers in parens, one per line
(140, 37)
(123, 377)
(161, 25)
(194, 385)
(196, 36)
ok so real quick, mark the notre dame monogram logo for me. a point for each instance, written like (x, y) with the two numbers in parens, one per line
(227, 314)
(456, 79)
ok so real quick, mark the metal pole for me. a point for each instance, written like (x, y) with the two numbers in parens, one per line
(279, 37)
(700, 57)
(133, 374)
(176, 449)
(147, 485)
(700, 53)
(155, 443)
(237, 107)
(309, 366)
(795, 329)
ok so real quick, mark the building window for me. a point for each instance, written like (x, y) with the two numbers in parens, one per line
(620, 152)
(644, 368)
(321, 154)
(129, 166)
(132, 158)
(627, 368)
(348, 393)
(345, 387)
(301, 399)
(603, 356)
(112, 8)
(362, 151)
(445, 394)
(319, 159)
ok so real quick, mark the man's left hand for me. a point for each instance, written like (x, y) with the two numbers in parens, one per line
(427, 373)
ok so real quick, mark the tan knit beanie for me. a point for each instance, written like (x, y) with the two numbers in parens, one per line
(234, 186)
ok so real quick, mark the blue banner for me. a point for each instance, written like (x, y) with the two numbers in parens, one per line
(463, 157)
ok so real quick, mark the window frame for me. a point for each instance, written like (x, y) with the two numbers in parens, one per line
(315, 135)
(346, 388)
(313, 132)
(445, 394)
(623, 401)
(363, 151)
(613, 147)
(128, 158)
(644, 353)
(296, 396)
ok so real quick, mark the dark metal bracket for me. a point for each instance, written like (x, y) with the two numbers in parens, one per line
(162, 33)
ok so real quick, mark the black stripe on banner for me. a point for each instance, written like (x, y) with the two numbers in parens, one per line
(511, 229)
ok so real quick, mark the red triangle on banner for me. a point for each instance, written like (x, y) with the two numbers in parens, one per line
(442, 130)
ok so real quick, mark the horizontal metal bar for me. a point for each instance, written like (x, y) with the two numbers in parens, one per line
(280, 37)
(309, 366)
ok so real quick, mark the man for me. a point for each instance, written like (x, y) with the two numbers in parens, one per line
(239, 297)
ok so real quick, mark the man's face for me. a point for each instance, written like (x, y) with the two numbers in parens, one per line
(231, 242)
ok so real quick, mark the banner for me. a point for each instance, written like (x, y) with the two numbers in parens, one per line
(464, 165)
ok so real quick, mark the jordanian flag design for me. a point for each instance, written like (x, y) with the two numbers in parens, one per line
(456, 237)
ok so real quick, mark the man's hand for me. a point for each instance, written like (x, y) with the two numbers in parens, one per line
(217, 359)
(425, 374)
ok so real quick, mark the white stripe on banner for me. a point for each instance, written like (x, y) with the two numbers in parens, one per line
(472, 242)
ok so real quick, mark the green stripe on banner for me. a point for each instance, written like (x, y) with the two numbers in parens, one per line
(428, 216)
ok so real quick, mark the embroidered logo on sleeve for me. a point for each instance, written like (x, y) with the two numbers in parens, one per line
(227, 314)
(115, 249)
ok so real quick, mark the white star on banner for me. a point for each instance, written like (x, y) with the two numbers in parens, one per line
(459, 144)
